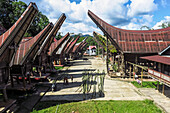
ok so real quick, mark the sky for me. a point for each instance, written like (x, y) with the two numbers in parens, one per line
(125, 14)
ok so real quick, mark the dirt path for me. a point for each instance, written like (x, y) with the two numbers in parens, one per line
(114, 89)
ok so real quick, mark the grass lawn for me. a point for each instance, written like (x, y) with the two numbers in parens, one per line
(146, 106)
(145, 84)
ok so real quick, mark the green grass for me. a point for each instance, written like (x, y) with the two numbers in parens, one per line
(146, 106)
(145, 84)
(58, 67)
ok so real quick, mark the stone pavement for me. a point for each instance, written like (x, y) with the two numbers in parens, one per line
(113, 89)
(160, 99)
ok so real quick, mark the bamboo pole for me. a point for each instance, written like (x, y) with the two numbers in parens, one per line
(141, 77)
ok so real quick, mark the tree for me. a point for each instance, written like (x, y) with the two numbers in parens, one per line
(58, 37)
(10, 12)
(39, 22)
(145, 27)
(80, 39)
(6, 13)
(165, 25)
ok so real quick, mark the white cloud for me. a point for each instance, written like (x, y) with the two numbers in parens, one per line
(158, 24)
(114, 12)
(140, 7)
(164, 3)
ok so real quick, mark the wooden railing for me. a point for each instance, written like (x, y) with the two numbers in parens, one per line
(159, 75)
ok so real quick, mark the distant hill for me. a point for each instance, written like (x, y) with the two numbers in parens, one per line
(86, 35)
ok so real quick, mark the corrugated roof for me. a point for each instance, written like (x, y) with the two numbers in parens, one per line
(30, 45)
(48, 41)
(62, 48)
(79, 45)
(75, 47)
(68, 45)
(13, 36)
(72, 45)
(134, 41)
(57, 44)
(83, 46)
(157, 58)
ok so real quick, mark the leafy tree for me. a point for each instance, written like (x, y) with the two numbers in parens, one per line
(81, 39)
(165, 24)
(10, 12)
(58, 37)
(6, 13)
(18, 9)
(145, 27)
(39, 22)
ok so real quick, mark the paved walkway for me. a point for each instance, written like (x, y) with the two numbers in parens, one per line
(114, 89)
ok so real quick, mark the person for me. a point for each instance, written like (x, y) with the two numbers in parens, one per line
(66, 80)
(71, 76)
(53, 87)
(136, 76)
(138, 81)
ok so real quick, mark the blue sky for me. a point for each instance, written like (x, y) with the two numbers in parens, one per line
(126, 14)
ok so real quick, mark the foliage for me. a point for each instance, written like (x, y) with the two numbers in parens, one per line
(58, 37)
(6, 13)
(115, 67)
(91, 42)
(145, 84)
(34, 69)
(102, 41)
(165, 24)
(81, 39)
(146, 106)
(145, 27)
(10, 12)
(58, 67)
(38, 24)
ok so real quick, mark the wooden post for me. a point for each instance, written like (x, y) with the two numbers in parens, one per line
(130, 71)
(125, 71)
(107, 56)
(23, 79)
(11, 77)
(163, 89)
(158, 85)
(98, 49)
(141, 77)
(102, 53)
(29, 79)
(18, 80)
(5, 94)
(133, 72)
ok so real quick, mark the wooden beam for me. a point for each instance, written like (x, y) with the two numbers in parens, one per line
(139, 66)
